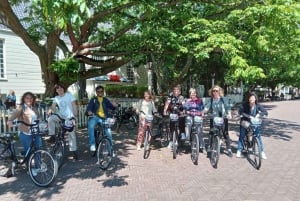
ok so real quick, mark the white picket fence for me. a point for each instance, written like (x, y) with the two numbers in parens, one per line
(82, 118)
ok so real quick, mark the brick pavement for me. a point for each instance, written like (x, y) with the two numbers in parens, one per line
(160, 177)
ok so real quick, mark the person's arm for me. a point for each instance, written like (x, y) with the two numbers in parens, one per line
(261, 110)
(166, 106)
(75, 109)
(51, 108)
(13, 116)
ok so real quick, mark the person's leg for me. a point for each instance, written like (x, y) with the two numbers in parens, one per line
(181, 125)
(188, 128)
(241, 141)
(227, 137)
(26, 141)
(53, 120)
(200, 136)
(141, 132)
(72, 141)
(91, 130)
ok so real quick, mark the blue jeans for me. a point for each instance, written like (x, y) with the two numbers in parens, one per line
(242, 136)
(93, 121)
(27, 139)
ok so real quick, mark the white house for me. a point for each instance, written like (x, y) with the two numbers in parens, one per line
(19, 66)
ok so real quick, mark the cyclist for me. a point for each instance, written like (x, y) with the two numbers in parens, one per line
(145, 107)
(97, 109)
(252, 108)
(66, 103)
(219, 108)
(27, 112)
(194, 107)
(175, 100)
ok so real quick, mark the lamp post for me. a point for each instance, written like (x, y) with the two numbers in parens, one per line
(149, 75)
(213, 79)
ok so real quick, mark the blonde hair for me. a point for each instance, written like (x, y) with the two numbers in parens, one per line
(192, 90)
(221, 90)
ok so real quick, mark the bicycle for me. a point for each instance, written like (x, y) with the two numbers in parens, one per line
(41, 165)
(196, 122)
(163, 131)
(126, 116)
(251, 143)
(59, 147)
(148, 134)
(174, 118)
(104, 147)
(215, 140)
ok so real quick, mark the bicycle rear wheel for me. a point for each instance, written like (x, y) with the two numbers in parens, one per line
(254, 153)
(104, 153)
(175, 144)
(147, 142)
(195, 148)
(59, 152)
(42, 167)
(215, 151)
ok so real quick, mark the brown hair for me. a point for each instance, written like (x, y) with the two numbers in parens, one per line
(28, 94)
(60, 85)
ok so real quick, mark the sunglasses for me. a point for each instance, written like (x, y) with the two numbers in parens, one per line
(215, 90)
(98, 92)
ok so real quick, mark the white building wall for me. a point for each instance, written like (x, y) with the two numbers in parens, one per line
(23, 71)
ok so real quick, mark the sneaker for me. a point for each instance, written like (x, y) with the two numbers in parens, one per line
(183, 137)
(202, 150)
(93, 147)
(229, 152)
(138, 147)
(51, 140)
(238, 154)
(35, 171)
(263, 155)
(170, 145)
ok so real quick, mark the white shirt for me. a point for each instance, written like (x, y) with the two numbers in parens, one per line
(65, 104)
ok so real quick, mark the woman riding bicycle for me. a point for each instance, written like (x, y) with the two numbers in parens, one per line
(219, 108)
(194, 107)
(145, 107)
(252, 108)
(27, 112)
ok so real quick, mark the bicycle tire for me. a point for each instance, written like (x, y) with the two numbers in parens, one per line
(5, 154)
(59, 152)
(165, 135)
(132, 123)
(195, 148)
(147, 142)
(42, 167)
(104, 153)
(215, 151)
(175, 144)
(254, 153)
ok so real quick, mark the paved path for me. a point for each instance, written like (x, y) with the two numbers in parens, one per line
(161, 178)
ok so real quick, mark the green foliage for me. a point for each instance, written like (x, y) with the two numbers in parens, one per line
(121, 91)
(67, 69)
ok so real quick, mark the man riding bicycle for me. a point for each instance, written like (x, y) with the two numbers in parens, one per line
(97, 109)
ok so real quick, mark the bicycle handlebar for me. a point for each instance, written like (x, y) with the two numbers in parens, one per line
(27, 124)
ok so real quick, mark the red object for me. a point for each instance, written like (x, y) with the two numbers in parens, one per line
(114, 78)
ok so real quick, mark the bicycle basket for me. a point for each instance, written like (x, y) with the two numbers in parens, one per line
(69, 125)
(218, 121)
(188, 120)
(256, 121)
(173, 117)
(110, 121)
(43, 126)
(245, 124)
(198, 120)
(149, 118)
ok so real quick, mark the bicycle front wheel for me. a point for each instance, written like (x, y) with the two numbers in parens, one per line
(175, 144)
(104, 153)
(254, 153)
(59, 152)
(165, 135)
(147, 142)
(195, 148)
(42, 167)
(215, 151)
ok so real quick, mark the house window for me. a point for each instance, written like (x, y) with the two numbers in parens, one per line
(130, 73)
(2, 66)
